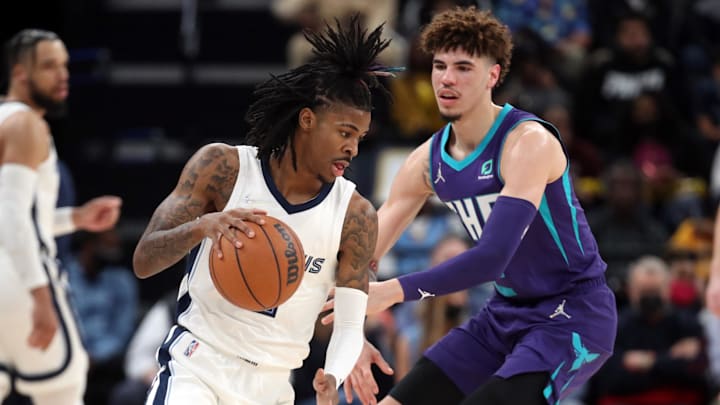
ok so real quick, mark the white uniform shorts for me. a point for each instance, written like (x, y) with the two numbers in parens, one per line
(63, 365)
(192, 373)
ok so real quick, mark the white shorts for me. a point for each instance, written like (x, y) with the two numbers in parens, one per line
(63, 365)
(192, 372)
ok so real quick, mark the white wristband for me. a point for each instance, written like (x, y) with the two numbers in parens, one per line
(348, 337)
(64, 223)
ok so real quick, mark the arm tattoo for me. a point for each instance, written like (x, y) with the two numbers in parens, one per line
(205, 184)
(357, 244)
(426, 173)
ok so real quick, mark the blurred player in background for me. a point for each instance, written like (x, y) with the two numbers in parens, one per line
(40, 348)
(305, 128)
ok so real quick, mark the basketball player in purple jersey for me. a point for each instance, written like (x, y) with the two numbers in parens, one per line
(551, 323)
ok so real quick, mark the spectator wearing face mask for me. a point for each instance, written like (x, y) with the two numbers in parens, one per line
(659, 356)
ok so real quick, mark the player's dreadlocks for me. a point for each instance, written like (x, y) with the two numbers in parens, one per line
(343, 70)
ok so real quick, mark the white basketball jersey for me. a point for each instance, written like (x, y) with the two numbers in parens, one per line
(279, 337)
(46, 196)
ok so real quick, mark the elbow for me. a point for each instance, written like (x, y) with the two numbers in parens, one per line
(140, 266)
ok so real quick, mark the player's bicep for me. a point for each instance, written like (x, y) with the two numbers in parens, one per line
(357, 244)
(25, 140)
(530, 163)
(196, 192)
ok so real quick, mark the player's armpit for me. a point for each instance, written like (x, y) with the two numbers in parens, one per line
(205, 185)
(357, 244)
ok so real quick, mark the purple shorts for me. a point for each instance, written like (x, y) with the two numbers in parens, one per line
(570, 336)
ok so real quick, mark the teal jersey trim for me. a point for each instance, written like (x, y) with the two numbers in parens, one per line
(573, 210)
(548, 388)
(505, 291)
(547, 217)
(459, 165)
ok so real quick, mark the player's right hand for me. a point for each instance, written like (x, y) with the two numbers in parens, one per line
(361, 379)
(44, 319)
(217, 225)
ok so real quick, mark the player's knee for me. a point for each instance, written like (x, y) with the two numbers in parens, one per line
(520, 389)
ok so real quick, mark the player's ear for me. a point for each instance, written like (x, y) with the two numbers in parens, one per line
(494, 75)
(19, 72)
(306, 119)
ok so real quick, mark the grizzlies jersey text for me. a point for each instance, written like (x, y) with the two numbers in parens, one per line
(557, 250)
(278, 337)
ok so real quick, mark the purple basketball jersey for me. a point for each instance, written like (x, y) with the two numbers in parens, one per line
(558, 250)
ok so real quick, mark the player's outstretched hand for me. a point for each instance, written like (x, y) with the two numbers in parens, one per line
(712, 295)
(325, 388)
(98, 214)
(361, 379)
(44, 319)
(217, 225)
(381, 296)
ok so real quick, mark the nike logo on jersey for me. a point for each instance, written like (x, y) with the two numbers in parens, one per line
(424, 294)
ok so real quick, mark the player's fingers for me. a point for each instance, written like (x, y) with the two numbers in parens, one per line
(363, 389)
(216, 245)
(328, 305)
(381, 363)
(347, 386)
(328, 319)
(241, 225)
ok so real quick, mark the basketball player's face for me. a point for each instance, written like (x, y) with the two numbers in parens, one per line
(47, 75)
(462, 82)
(335, 139)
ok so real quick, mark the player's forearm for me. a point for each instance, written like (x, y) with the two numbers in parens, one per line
(485, 262)
(158, 250)
(347, 339)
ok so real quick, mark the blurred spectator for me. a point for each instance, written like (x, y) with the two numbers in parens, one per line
(416, 13)
(616, 76)
(625, 228)
(662, 16)
(685, 285)
(585, 159)
(106, 298)
(312, 14)
(414, 110)
(562, 24)
(532, 85)
(659, 357)
(140, 363)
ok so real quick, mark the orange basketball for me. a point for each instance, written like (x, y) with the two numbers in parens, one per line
(265, 272)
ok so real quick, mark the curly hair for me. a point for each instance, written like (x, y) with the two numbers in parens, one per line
(476, 32)
(343, 70)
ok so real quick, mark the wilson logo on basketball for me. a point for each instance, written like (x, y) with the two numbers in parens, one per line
(290, 255)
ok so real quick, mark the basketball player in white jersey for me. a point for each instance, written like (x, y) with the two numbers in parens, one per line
(305, 130)
(39, 343)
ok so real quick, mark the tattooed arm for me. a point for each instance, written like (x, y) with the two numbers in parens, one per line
(357, 244)
(192, 211)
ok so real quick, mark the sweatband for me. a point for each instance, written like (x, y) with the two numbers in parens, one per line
(486, 261)
(348, 336)
(64, 223)
(17, 234)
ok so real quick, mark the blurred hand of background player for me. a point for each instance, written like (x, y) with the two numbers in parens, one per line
(216, 225)
(361, 379)
(325, 388)
(712, 295)
(98, 214)
(44, 319)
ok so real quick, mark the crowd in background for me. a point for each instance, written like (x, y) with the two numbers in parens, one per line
(634, 88)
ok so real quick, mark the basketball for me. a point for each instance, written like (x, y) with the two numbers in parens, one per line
(265, 272)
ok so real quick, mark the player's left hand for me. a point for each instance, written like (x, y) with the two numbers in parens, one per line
(325, 388)
(361, 379)
(98, 214)
(381, 296)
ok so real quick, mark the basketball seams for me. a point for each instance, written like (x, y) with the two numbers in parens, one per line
(277, 266)
(242, 274)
